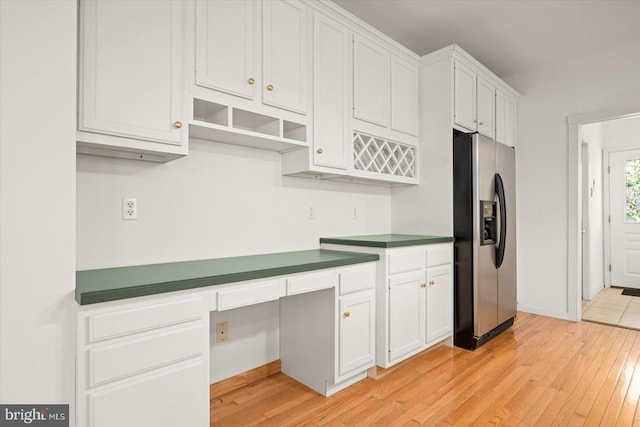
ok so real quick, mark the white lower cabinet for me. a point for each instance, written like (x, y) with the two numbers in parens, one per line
(357, 332)
(167, 397)
(414, 298)
(439, 303)
(327, 337)
(144, 363)
(407, 305)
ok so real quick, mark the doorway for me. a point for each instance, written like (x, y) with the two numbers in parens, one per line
(577, 123)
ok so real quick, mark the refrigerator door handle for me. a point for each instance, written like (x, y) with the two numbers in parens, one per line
(503, 221)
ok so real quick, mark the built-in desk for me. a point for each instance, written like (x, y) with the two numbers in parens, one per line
(143, 332)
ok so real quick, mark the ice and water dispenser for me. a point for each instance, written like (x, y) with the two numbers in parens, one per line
(488, 222)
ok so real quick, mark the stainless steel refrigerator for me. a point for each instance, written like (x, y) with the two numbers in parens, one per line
(484, 209)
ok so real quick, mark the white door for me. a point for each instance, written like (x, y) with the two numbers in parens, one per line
(370, 81)
(464, 104)
(404, 96)
(357, 331)
(486, 108)
(407, 306)
(227, 47)
(439, 302)
(130, 69)
(285, 49)
(624, 200)
(331, 100)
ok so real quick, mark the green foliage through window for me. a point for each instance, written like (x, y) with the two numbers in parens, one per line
(633, 190)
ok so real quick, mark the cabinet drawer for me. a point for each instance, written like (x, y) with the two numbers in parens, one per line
(111, 362)
(439, 254)
(406, 260)
(248, 294)
(312, 282)
(144, 318)
(357, 279)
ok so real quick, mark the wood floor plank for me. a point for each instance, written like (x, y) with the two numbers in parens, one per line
(542, 371)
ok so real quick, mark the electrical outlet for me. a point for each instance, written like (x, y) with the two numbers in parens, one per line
(355, 213)
(129, 208)
(221, 332)
(311, 213)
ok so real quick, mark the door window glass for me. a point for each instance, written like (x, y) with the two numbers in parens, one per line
(633, 190)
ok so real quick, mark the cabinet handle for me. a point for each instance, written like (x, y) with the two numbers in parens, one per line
(251, 80)
(475, 121)
(177, 125)
(270, 87)
(319, 151)
(432, 282)
(347, 314)
(481, 123)
(423, 285)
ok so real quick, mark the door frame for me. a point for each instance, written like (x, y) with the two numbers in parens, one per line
(574, 199)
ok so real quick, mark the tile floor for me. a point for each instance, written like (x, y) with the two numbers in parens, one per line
(613, 308)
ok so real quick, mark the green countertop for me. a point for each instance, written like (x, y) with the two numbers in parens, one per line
(386, 240)
(108, 284)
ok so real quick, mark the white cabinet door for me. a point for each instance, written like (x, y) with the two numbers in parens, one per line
(285, 54)
(227, 47)
(407, 303)
(510, 125)
(404, 96)
(173, 397)
(331, 88)
(501, 111)
(357, 331)
(464, 88)
(486, 108)
(439, 302)
(370, 81)
(505, 119)
(130, 69)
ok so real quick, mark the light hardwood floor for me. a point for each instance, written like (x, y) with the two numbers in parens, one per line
(542, 371)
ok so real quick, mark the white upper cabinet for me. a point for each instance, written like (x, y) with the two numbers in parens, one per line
(331, 88)
(474, 99)
(285, 26)
(370, 81)
(485, 108)
(130, 75)
(505, 119)
(481, 101)
(248, 49)
(464, 89)
(228, 29)
(404, 96)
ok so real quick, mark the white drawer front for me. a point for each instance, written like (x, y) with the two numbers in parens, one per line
(439, 255)
(312, 282)
(111, 362)
(252, 293)
(406, 260)
(357, 279)
(144, 318)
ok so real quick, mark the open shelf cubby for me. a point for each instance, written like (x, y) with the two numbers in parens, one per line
(223, 123)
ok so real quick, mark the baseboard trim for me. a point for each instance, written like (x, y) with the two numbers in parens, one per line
(245, 378)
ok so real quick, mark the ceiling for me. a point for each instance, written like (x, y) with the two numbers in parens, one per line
(507, 36)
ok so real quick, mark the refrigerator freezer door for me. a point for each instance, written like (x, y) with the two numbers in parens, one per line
(506, 167)
(486, 286)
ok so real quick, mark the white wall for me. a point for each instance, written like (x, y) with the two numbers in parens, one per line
(594, 248)
(599, 81)
(621, 133)
(220, 200)
(37, 201)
